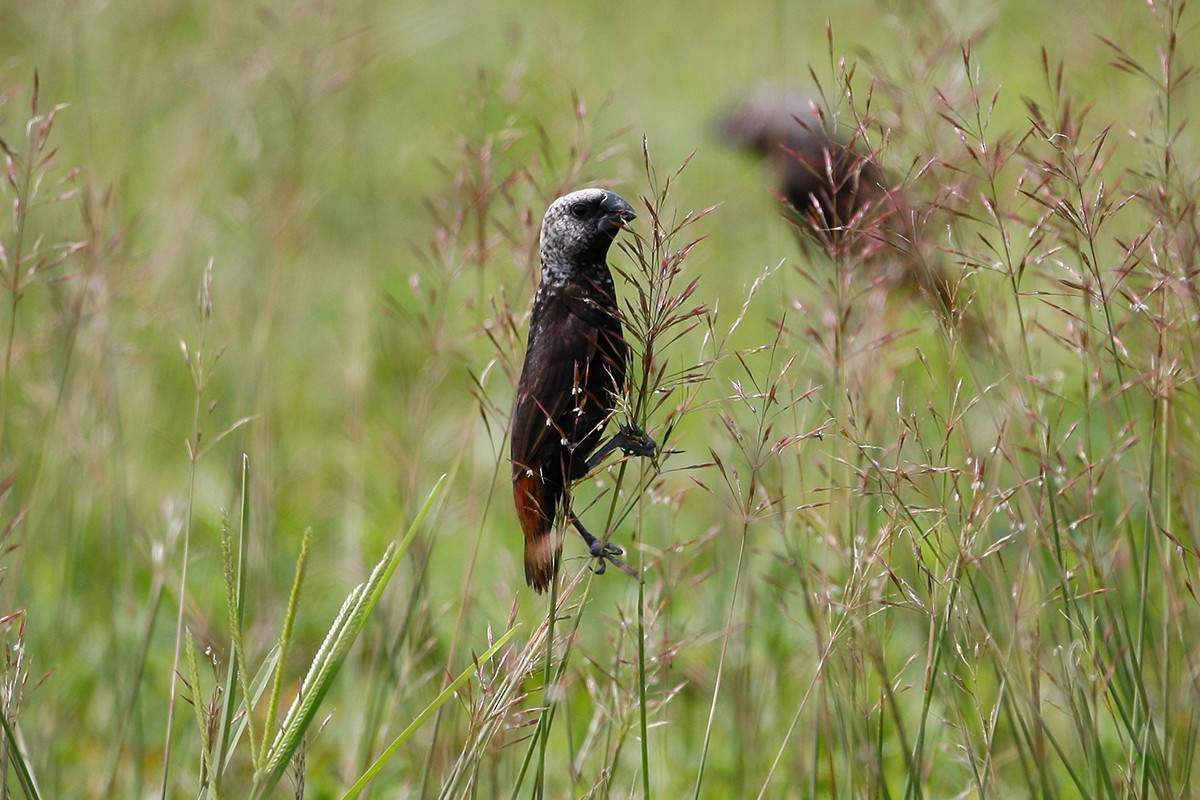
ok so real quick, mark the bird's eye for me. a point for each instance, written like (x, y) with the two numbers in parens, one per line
(579, 210)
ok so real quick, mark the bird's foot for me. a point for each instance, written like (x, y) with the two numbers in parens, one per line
(633, 441)
(606, 552)
(630, 440)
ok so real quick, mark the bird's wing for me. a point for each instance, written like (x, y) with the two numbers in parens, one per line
(565, 388)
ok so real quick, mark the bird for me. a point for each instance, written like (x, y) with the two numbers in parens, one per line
(838, 196)
(573, 372)
(825, 181)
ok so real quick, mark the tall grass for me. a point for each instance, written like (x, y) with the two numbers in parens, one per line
(899, 541)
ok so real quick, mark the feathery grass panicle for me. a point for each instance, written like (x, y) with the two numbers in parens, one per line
(35, 181)
(14, 674)
(36, 253)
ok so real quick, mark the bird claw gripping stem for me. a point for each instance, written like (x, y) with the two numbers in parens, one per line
(634, 441)
(604, 551)
(630, 440)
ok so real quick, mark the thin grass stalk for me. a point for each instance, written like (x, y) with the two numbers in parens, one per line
(1164, 516)
(549, 692)
(285, 642)
(446, 694)
(818, 677)
(243, 565)
(18, 760)
(198, 707)
(199, 381)
(718, 680)
(1033, 769)
(888, 700)
(157, 593)
(643, 726)
(459, 621)
(493, 714)
(257, 688)
(938, 639)
(21, 186)
(237, 673)
(537, 742)
(650, 319)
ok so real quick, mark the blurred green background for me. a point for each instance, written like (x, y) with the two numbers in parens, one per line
(342, 168)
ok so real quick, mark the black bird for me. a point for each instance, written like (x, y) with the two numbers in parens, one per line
(824, 180)
(574, 369)
(831, 186)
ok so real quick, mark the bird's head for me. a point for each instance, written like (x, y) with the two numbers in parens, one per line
(579, 228)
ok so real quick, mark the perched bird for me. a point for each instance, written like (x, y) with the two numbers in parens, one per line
(574, 368)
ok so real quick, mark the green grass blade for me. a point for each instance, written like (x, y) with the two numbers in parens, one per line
(285, 640)
(328, 660)
(425, 716)
(24, 774)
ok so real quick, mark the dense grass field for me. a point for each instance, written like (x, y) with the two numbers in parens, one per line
(266, 271)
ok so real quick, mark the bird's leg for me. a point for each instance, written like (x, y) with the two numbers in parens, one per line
(630, 440)
(605, 551)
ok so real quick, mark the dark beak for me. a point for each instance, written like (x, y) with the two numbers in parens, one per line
(617, 212)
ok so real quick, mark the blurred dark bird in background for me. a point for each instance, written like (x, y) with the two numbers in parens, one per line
(826, 182)
(573, 373)
(838, 197)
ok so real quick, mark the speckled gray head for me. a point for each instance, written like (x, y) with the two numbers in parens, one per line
(579, 227)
